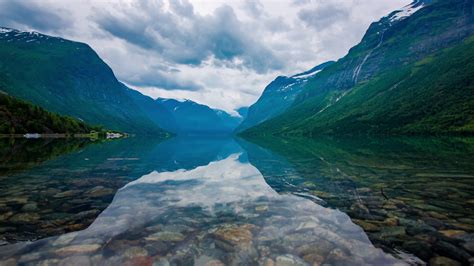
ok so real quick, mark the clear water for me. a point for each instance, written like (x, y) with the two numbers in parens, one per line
(221, 201)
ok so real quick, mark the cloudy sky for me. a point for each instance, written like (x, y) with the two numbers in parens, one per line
(216, 52)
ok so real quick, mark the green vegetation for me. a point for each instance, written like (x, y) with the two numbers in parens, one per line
(432, 96)
(20, 117)
(414, 76)
(69, 78)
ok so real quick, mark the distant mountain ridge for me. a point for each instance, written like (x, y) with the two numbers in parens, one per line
(69, 78)
(377, 87)
(193, 118)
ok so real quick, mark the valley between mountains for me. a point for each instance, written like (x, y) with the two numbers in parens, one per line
(412, 74)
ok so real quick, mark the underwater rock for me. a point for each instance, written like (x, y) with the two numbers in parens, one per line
(99, 191)
(443, 261)
(240, 236)
(165, 236)
(30, 207)
(25, 218)
(70, 250)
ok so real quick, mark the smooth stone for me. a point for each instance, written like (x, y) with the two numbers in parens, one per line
(469, 246)
(66, 194)
(4, 216)
(338, 257)
(76, 261)
(86, 214)
(452, 233)
(391, 231)
(288, 260)
(414, 227)
(166, 236)
(20, 200)
(64, 239)
(236, 236)
(214, 263)
(30, 257)
(437, 215)
(48, 262)
(314, 259)
(9, 262)
(268, 262)
(24, 218)
(447, 249)
(135, 252)
(364, 190)
(261, 208)
(443, 261)
(86, 248)
(421, 249)
(29, 207)
(320, 247)
(368, 227)
(7, 229)
(99, 191)
(438, 224)
(161, 262)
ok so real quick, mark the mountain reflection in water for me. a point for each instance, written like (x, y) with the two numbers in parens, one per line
(226, 201)
(218, 212)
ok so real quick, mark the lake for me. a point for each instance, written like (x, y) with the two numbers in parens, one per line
(228, 201)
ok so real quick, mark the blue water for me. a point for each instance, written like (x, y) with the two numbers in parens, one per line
(222, 201)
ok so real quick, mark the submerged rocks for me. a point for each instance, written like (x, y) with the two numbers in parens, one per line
(99, 191)
(236, 236)
(165, 236)
(443, 261)
(78, 249)
(25, 218)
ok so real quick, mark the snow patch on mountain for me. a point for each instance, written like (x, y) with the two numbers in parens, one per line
(407, 11)
(307, 75)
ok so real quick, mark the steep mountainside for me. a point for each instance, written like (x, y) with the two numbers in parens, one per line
(69, 78)
(20, 117)
(411, 73)
(192, 118)
(278, 96)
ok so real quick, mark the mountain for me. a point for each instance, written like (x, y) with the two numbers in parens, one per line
(412, 73)
(190, 118)
(69, 78)
(278, 96)
(20, 117)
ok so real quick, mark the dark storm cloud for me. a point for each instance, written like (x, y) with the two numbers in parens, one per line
(21, 13)
(323, 16)
(181, 36)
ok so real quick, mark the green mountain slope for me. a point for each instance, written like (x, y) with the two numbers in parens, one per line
(399, 80)
(69, 78)
(278, 96)
(19, 117)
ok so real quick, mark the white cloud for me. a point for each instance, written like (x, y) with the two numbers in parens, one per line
(216, 52)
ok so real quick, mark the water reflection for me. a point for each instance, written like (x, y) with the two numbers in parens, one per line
(66, 193)
(220, 213)
(223, 201)
(409, 194)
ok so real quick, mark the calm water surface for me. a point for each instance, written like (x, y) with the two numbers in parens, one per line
(224, 201)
